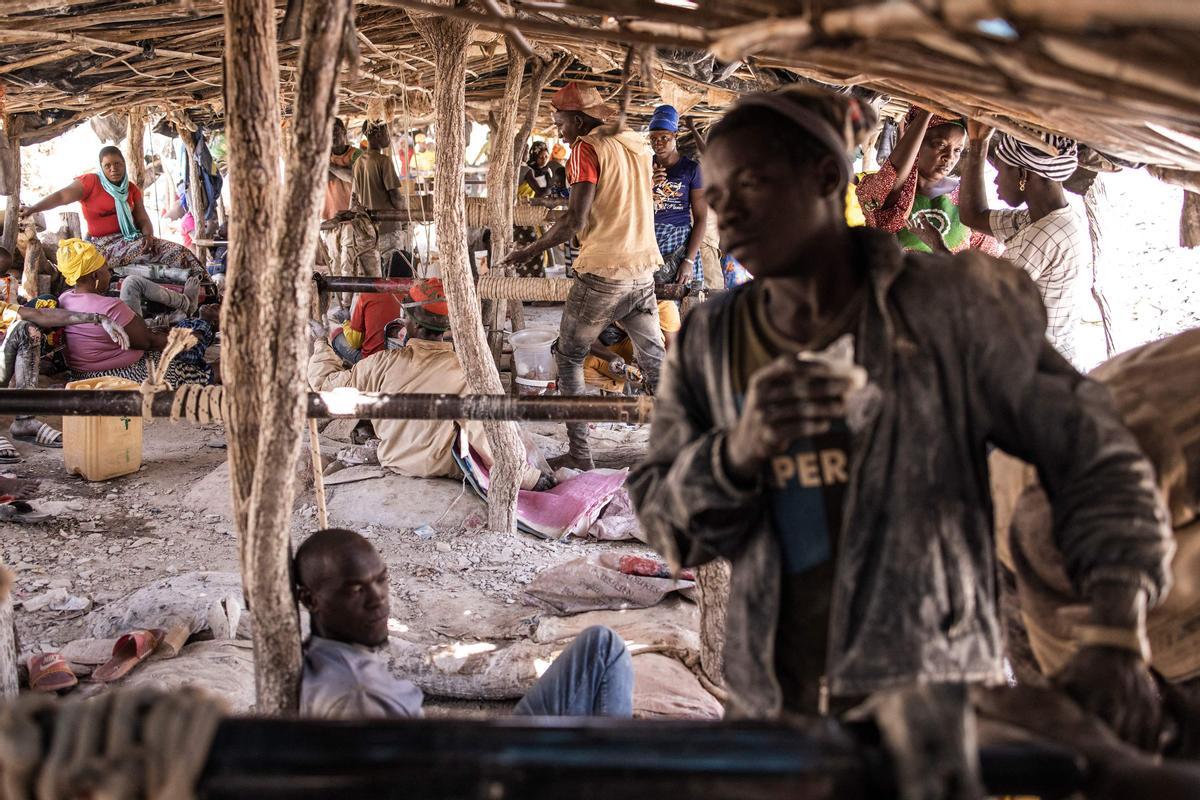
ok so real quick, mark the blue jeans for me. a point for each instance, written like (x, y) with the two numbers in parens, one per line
(349, 355)
(591, 678)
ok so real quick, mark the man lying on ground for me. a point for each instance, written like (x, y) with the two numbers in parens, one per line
(21, 329)
(427, 364)
(90, 353)
(343, 583)
(857, 514)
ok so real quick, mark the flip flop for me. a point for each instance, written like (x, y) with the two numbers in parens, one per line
(13, 510)
(8, 453)
(130, 650)
(45, 437)
(50, 672)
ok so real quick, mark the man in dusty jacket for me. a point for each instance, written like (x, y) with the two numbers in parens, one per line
(611, 211)
(852, 497)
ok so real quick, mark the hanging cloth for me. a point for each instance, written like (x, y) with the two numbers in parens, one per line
(120, 196)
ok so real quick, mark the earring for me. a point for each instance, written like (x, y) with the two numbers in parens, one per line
(1021, 183)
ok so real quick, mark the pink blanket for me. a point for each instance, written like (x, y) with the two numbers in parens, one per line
(568, 509)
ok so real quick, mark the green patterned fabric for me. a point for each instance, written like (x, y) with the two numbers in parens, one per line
(944, 215)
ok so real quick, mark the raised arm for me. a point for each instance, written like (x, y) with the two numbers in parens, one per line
(71, 193)
(904, 155)
(972, 196)
(580, 205)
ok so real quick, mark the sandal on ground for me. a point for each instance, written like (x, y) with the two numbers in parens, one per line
(20, 512)
(45, 437)
(130, 650)
(8, 453)
(50, 672)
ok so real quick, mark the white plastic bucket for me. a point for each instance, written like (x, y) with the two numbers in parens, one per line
(534, 369)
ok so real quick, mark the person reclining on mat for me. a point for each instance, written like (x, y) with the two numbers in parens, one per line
(20, 353)
(427, 364)
(342, 581)
(90, 351)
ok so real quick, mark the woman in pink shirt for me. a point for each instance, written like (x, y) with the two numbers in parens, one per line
(90, 351)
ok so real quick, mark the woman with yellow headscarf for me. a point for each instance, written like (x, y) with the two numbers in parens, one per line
(90, 353)
(21, 329)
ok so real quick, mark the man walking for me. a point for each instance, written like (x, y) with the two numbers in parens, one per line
(611, 212)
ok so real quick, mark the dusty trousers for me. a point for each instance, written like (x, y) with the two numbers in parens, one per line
(593, 304)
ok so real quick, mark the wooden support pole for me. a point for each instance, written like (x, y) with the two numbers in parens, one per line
(501, 186)
(8, 637)
(197, 200)
(1189, 220)
(12, 182)
(136, 156)
(449, 39)
(542, 74)
(270, 232)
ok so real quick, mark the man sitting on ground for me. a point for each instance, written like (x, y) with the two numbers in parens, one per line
(427, 364)
(365, 333)
(21, 351)
(343, 583)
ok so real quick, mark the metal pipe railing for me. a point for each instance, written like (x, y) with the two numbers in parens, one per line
(351, 404)
(584, 759)
(367, 285)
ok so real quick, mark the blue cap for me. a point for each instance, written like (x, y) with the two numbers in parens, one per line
(665, 118)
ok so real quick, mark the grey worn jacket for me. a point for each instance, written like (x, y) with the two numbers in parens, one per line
(957, 359)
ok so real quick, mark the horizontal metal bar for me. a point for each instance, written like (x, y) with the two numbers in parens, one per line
(351, 404)
(367, 285)
(583, 758)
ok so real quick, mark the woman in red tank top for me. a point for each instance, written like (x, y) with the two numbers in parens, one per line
(136, 245)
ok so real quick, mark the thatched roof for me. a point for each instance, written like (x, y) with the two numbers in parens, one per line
(1120, 75)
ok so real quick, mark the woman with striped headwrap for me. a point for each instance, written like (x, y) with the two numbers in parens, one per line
(914, 196)
(1046, 238)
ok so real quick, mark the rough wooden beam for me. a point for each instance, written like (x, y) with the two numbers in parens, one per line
(514, 33)
(263, 315)
(8, 637)
(537, 26)
(12, 181)
(136, 151)
(448, 38)
(88, 41)
(501, 184)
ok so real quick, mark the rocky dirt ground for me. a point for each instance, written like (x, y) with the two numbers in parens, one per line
(108, 539)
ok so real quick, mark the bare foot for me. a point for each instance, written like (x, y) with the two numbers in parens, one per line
(18, 487)
(191, 290)
(571, 461)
